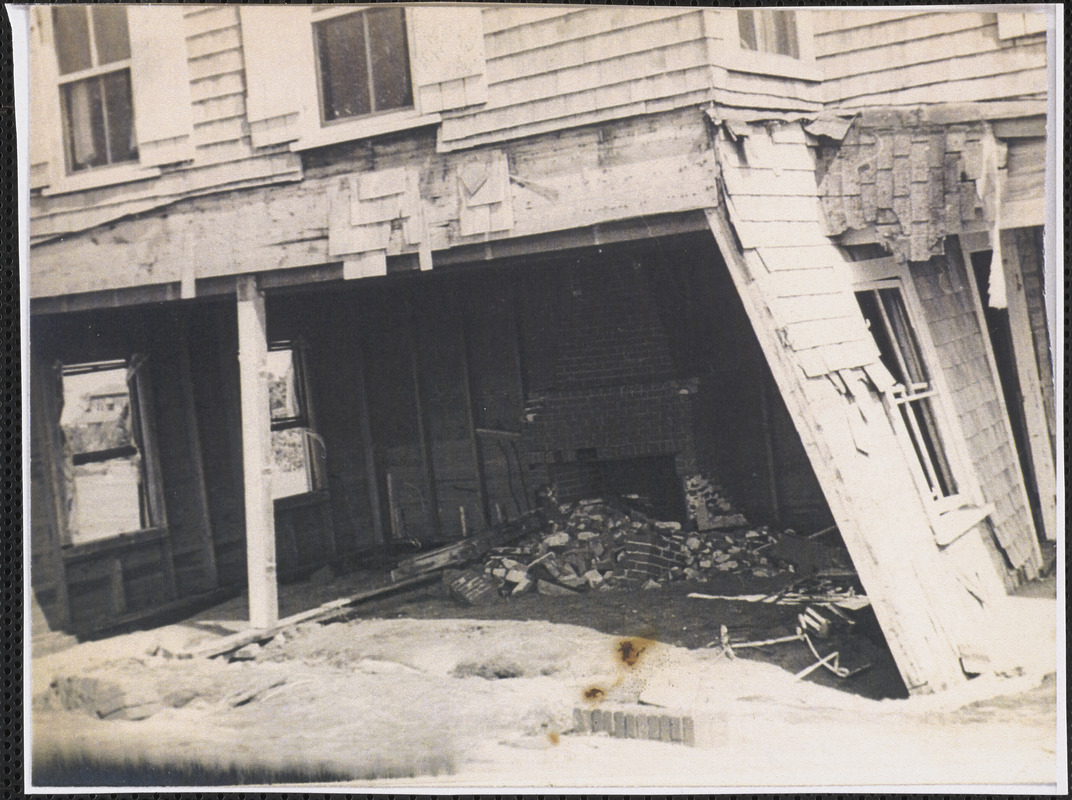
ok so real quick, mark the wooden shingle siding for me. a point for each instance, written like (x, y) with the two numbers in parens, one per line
(582, 66)
(787, 250)
(949, 314)
(870, 58)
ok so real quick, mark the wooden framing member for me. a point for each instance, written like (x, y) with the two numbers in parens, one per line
(256, 455)
(1041, 453)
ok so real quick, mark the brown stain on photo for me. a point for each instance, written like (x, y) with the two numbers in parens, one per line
(630, 650)
(594, 694)
(553, 737)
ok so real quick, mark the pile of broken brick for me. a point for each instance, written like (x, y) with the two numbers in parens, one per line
(601, 544)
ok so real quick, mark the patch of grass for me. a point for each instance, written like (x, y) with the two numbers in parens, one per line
(57, 769)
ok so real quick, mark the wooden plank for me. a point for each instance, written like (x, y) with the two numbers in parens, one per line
(745, 182)
(785, 234)
(321, 613)
(856, 18)
(812, 257)
(590, 22)
(777, 209)
(818, 332)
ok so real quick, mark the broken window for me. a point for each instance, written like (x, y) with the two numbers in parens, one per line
(104, 449)
(363, 63)
(769, 31)
(914, 395)
(297, 458)
(93, 54)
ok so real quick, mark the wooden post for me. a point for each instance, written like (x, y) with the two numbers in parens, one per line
(256, 455)
(768, 446)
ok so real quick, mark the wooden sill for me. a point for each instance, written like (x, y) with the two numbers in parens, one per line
(951, 525)
(77, 552)
(301, 500)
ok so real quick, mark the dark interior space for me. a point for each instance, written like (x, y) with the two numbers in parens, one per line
(997, 325)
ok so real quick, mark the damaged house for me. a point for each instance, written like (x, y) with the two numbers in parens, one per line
(314, 285)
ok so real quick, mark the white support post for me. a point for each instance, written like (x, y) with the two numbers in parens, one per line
(256, 454)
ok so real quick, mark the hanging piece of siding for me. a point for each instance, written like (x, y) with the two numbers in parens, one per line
(785, 244)
(160, 77)
(484, 194)
(448, 61)
(274, 44)
(373, 215)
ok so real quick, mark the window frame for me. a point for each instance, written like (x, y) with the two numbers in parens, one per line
(304, 420)
(320, 16)
(954, 514)
(152, 510)
(53, 123)
(741, 59)
(96, 71)
(314, 130)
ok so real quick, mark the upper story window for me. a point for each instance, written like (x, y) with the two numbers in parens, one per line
(93, 56)
(769, 31)
(363, 63)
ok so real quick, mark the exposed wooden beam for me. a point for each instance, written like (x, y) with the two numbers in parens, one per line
(256, 455)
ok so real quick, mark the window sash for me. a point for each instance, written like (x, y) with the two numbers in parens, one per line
(914, 395)
(372, 80)
(769, 31)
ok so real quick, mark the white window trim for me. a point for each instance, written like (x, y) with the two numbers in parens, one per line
(953, 516)
(733, 57)
(315, 132)
(60, 180)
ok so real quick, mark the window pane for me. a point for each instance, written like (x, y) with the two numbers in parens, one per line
(122, 143)
(290, 463)
(283, 398)
(84, 110)
(928, 426)
(343, 61)
(390, 59)
(102, 467)
(785, 32)
(746, 22)
(110, 33)
(868, 302)
(903, 335)
(72, 38)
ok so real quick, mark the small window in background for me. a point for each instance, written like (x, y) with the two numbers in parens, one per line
(297, 452)
(93, 49)
(769, 31)
(103, 469)
(914, 394)
(363, 61)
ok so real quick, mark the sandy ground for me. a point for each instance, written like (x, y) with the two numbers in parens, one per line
(488, 703)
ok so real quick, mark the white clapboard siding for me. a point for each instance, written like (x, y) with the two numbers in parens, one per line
(46, 149)
(274, 44)
(933, 57)
(447, 47)
(160, 76)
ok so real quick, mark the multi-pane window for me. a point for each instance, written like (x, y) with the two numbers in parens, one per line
(363, 63)
(93, 55)
(769, 31)
(103, 449)
(297, 451)
(914, 395)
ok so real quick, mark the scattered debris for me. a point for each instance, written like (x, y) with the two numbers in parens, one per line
(603, 543)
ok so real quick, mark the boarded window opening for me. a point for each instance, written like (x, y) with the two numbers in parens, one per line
(103, 457)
